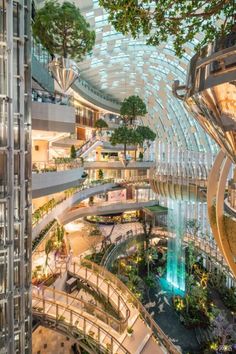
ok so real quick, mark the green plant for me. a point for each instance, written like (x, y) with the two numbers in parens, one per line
(73, 152)
(60, 231)
(48, 249)
(130, 330)
(63, 30)
(44, 209)
(100, 174)
(100, 124)
(124, 135)
(131, 108)
(145, 135)
(42, 234)
(140, 156)
(63, 160)
(179, 20)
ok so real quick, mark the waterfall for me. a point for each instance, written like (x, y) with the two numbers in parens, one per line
(175, 251)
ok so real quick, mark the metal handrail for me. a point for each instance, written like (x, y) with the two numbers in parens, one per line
(87, 145)
(121, 239)
(75, 319)
(117, 325)
(157, 331)
(111, 293)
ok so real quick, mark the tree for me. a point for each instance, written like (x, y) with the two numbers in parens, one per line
(147, 224)
(124, 135)
(60, 232)
(180, 20)
(62, 30)
(145, 135)
(132, 107)
(73, 152)
(100, 124)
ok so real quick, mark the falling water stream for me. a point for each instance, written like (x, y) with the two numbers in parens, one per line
(175, 251)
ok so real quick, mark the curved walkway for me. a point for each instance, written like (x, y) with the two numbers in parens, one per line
(69, 202)
(203, 245)
(69, 315)
(76, 324)
(91, 310)
(146, 333)
(83, 193)
(102, 209)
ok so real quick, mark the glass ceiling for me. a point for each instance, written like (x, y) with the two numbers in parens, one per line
(121, 66)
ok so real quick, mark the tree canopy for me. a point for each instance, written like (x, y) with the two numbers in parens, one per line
(62, 30)
(181, 20)
(125, 136)
(133, 107)
(100, 124)
(145, 134)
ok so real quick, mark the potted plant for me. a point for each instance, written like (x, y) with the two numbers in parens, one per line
(129, 331)
(64, 32)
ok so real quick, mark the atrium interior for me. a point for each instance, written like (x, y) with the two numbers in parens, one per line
(117, 177)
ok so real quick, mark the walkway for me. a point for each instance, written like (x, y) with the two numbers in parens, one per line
(142, 340)
(104, 208)
(69, 202)
(61, 310)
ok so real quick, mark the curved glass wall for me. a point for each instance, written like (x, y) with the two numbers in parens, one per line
(122, 66)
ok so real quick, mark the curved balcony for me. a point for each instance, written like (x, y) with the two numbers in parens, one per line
(69, 202)
(81, 86)
(52, 178)
(112, 165)
(95, 96)
(103, 209)
(178, 187)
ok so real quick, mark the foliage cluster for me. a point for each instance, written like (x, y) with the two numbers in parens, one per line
(62, 30)
(44, 209)
(131, 108)
(182, 21)
(42, 234)
(100, 124)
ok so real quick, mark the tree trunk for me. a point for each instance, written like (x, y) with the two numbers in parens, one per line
(125, 151)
